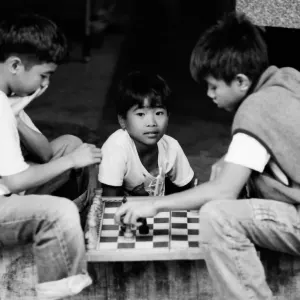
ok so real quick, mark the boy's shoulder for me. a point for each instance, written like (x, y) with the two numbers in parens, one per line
(275, 86)
(118, 139)
(275, 97)
(168, 139)
(168, 142)
(4, 103)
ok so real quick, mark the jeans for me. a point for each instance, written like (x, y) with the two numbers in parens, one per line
(52, 224)
(70, 180)
(229, 229)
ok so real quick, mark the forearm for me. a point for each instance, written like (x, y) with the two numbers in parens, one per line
(37, 175)
(194, 198)
(35, 142)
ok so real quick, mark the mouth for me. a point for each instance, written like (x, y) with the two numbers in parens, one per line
(151, 134)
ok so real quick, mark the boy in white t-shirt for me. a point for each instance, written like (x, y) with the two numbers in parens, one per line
(139, 157)
(31, 48)
(232, 57)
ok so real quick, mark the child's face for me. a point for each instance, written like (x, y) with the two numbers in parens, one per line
(145, 125)
(226, 96)
(27, 81)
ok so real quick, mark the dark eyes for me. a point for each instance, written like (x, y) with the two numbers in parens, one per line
(160, 113)
(43, 76)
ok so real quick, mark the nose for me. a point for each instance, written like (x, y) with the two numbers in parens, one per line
(151, 120)
(210, 93)
(45, 82)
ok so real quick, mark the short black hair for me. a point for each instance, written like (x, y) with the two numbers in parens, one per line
(233, 46)
(33, 37)
(137, 86)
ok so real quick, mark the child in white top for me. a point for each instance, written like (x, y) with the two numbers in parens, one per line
(139, 157)
(31, 48)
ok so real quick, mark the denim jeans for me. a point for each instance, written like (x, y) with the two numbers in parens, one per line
(52, 224)
(61, 146)
(229, 231)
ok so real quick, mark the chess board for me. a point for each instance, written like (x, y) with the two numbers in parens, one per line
(172, 235)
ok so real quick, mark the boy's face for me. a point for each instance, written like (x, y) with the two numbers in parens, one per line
(226, 96)
(145, 125)
(26, 81)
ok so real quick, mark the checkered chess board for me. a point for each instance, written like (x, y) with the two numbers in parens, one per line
(172, 235)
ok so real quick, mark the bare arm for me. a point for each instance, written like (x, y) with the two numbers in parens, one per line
(36, 175)
(35, 142)
(226, 186)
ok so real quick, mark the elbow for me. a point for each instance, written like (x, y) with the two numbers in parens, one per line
(46, 157)
(13, 184)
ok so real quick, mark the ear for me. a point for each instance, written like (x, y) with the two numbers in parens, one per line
(243, 82)
(122, 122)
(14, 64)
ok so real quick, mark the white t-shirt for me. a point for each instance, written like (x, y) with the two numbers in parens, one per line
(246, 151)
(121, 165)
(11, 158)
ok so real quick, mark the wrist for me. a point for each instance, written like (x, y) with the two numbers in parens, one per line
(158, 204)
(70, 163)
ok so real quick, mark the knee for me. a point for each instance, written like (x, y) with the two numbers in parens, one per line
(71, 141)
(64, 213)
(210, 221)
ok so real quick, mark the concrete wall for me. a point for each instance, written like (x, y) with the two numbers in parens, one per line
(279, 13)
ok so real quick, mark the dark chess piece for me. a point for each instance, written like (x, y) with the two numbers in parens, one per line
(144, 228)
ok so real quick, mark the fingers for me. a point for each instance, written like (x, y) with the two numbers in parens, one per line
(127, 218)
(126, 215)
(38, 92)
(212, 174)
(120, 214)
(215, 172)
(85, 155)
(93, 149)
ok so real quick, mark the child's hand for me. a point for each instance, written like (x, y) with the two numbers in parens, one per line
(131, 211)
(216, 169)
(85, 155)
(19, 103)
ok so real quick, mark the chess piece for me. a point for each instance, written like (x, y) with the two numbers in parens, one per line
(144, 228)
(123, 226)
(128, 234)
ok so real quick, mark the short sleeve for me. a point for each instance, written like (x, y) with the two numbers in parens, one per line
(181, 172)
(246, 151)
(11, 158)
(112, 168)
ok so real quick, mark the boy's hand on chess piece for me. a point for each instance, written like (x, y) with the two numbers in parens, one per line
(85, 155)
(131, 211)
(19, 103)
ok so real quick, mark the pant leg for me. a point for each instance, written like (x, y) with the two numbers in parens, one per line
(228, 232)
(68, 184)
(52, 224)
